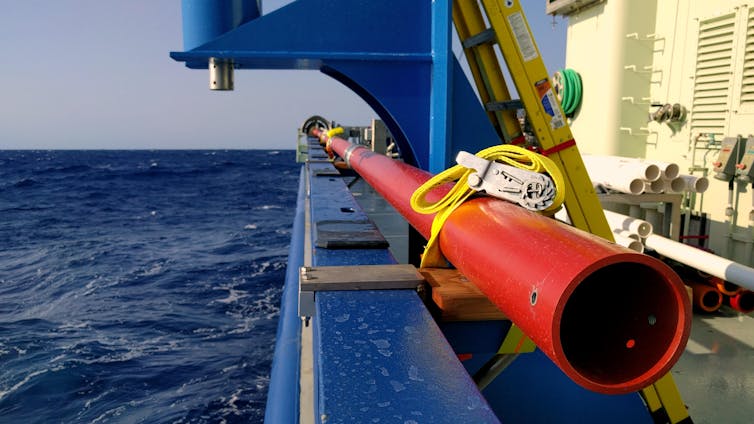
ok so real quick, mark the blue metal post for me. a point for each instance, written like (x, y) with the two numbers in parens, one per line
(205, 20)
(441, 96)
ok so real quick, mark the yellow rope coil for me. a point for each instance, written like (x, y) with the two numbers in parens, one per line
(328, 140)
(508, 154)
(335, 131)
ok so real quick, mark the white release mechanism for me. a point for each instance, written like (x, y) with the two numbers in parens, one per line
(532, 190)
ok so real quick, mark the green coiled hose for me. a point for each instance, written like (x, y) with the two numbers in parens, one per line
(568, 89)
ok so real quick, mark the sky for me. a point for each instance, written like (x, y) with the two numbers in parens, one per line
(96, 74)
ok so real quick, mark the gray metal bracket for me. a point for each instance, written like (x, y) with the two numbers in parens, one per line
(354, 277)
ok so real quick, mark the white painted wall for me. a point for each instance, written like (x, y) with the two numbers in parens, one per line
(658, 38)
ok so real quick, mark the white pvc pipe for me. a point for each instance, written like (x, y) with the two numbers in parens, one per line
(668, 170)
(562, 216)
(695, 184)
(656, 186)
(703, 261)
(653, 217)
(628, 186)
(616, 165)
(676, 185)
(617, 183)
(629, 243)
(619, 221)
(627, 234)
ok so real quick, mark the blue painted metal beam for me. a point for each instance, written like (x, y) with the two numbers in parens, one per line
(402, 104)
(380, 355)
(205, 20)
(303, 33)
(283, 392)
(471, 130)
(441, 94)
(533, 390)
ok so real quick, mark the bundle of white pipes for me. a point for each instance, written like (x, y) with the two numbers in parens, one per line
(629, 240)
(621, 174)
(627, 229)
(637, 176)
(695, 184)
(630, 232)
(626, 224)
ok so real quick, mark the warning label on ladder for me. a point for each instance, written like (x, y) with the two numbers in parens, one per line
(523, 38)
(549, 103)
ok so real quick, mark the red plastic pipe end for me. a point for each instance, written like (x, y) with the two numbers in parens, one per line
(725, 287)
(623, 326)
(612, 319)
(707, 298)
(743, 301)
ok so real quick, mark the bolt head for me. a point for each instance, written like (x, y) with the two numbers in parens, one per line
(474, 180)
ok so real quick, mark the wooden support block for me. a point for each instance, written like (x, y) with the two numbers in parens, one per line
(457, 298)
(690, 293)
(360, 277)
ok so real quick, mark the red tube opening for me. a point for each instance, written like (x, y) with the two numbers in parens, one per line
(743, 301)
(711, 300)
(622, 325)
(732, 288)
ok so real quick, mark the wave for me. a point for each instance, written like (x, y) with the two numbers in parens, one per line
(233, 295)
(267, 207)
(4, 392)
(25, 208)
(67, 169)
(25, 183)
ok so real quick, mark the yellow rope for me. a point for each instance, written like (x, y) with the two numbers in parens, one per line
(335, 131)
(508, 154)
(329, 135)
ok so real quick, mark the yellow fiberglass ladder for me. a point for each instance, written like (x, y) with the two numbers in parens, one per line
(509, 29)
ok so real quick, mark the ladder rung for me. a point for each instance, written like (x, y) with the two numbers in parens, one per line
(486, 36)
(509, 105)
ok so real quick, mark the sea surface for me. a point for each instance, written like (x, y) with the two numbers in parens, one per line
(141, 286)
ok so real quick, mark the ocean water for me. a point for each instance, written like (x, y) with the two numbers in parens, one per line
(141, 286)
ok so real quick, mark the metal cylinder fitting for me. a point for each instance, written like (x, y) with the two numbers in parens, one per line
(220, 74)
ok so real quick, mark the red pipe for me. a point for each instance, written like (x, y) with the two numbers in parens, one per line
(706, 297)
(612, 319)
(743, 301)
(725, 287)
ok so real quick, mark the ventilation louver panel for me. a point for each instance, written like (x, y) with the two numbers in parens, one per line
(747, 82)
(714, 71)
